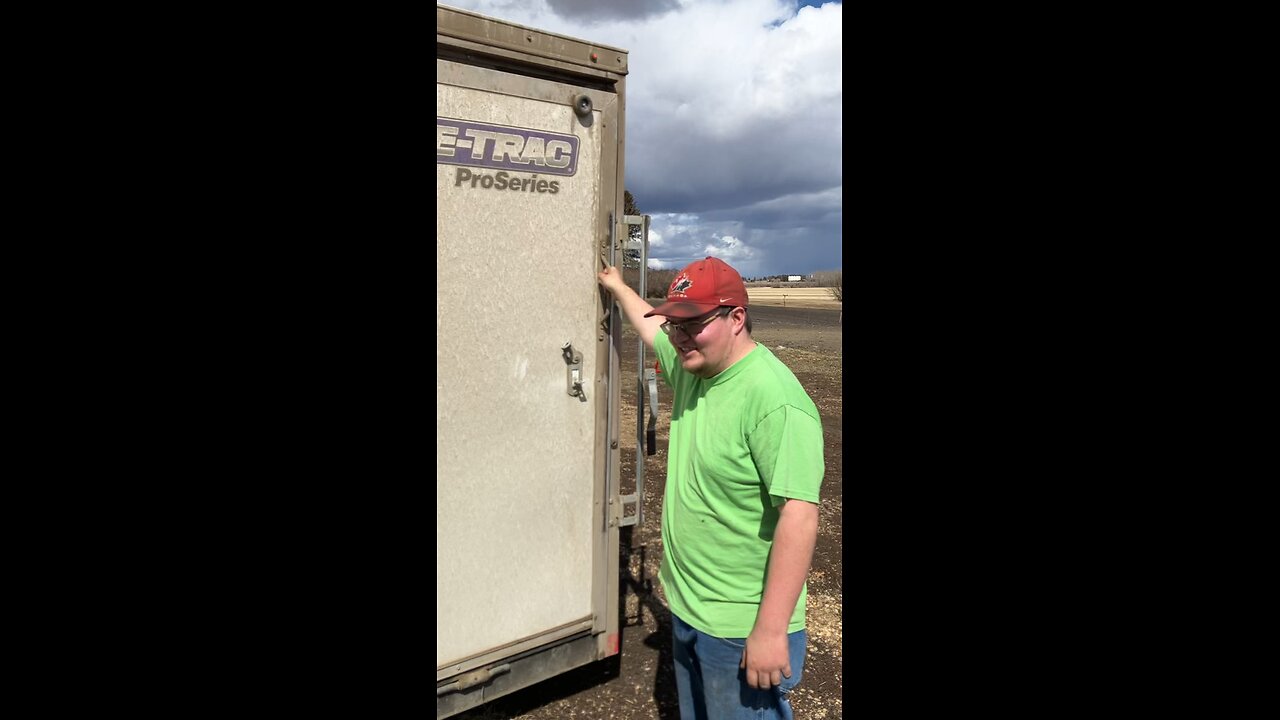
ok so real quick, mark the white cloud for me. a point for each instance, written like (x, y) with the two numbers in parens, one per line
(730, 249)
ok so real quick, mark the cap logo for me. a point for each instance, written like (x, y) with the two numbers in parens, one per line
(681, 284)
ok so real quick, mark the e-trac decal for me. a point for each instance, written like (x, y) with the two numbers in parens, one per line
(459, 142)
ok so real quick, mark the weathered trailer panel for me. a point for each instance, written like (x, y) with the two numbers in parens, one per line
(529, 167)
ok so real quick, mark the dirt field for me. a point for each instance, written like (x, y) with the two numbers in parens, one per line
(639, 684)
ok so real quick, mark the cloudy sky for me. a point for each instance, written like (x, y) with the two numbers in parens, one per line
(734, 137)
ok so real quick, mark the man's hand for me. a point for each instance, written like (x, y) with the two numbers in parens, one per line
(766, 659)
(633, 306)
(610, 278)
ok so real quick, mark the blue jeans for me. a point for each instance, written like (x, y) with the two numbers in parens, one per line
(711, 686)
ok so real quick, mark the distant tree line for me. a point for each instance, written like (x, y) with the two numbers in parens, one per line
(656, 283)
(778, 278)
(833, 281)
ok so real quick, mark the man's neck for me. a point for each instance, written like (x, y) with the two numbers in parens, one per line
(742, 347)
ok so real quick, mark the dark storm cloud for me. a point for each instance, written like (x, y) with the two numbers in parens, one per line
(791, 211)
(681, 171)
(791, 235)
(602, 10)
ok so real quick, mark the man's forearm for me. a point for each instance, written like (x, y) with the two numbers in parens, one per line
(793, 541)
(634, 307)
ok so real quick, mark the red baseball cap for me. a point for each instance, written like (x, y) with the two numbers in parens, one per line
(702, 287)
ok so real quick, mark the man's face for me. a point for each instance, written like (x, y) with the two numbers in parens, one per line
(704, 343)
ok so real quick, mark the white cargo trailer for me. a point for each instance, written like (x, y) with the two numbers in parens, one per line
(529, 201)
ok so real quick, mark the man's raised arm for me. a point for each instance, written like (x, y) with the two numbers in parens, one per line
(633, 306)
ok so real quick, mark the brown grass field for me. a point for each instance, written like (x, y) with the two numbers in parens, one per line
(818, 298)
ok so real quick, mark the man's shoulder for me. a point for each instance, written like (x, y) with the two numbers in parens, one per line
(784, 377)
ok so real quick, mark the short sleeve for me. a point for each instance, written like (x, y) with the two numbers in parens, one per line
(786, 447)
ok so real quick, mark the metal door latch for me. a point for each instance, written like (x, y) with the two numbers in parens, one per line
(573, 359)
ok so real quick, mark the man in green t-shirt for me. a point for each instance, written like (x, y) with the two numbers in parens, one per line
(740, 513)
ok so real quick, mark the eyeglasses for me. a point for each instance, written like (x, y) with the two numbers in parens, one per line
(693, 327)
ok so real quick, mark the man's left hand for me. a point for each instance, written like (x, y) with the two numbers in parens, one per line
(766, 659)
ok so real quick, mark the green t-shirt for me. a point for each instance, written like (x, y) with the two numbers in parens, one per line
(740, 443)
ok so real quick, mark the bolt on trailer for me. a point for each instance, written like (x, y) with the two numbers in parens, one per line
(529, 201)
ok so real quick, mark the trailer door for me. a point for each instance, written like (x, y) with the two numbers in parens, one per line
(524, 190)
